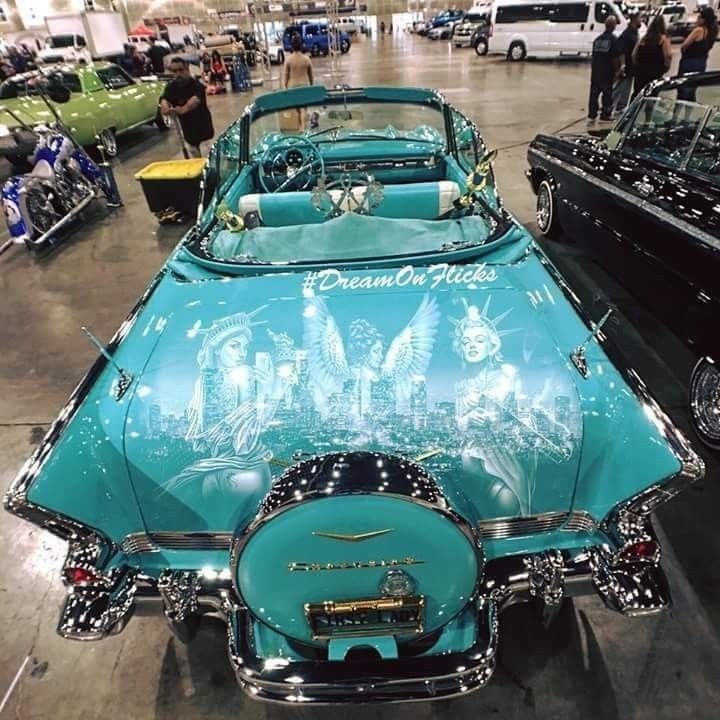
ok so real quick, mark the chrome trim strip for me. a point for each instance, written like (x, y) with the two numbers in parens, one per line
(648, 207)
(503, 528)
(154, 542)
(15, 500)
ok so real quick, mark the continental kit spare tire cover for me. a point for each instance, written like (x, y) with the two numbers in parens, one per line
(333, 527)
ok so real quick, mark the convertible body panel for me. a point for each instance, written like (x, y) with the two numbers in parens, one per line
(355, 440)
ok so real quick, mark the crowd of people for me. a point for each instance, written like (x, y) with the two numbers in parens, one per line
(17, 59)
(622, 66)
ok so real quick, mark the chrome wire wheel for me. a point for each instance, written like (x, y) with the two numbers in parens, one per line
(108, 140)
(546, 210)
(705, 401)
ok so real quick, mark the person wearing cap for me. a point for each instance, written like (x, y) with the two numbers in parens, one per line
(626, 44)
(605, 66)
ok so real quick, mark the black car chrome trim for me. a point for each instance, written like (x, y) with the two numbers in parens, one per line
(15, 500)
(645, 205)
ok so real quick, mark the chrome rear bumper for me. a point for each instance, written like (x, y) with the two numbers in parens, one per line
(633, 589)
(324, 682)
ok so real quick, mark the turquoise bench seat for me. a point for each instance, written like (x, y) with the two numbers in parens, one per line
(425, 201)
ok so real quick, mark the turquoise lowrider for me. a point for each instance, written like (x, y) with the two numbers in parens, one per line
(356, 414)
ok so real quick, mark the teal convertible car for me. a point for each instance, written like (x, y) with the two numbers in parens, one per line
(356, 415)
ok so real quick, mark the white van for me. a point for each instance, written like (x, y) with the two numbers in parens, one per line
(549, 28)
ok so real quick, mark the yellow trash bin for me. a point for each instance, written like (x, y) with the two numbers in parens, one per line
(172, 184)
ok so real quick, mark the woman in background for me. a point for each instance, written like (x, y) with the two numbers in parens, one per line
(696, 48)
(652, 54)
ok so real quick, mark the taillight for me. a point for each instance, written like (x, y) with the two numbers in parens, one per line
(82, 575)
(490, 32)
(641, 551)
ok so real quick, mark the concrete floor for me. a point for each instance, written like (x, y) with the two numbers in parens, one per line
(663, 667)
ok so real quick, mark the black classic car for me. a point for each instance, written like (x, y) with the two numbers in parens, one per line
(645, 202)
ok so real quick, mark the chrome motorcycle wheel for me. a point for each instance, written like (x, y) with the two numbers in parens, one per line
(38, 212)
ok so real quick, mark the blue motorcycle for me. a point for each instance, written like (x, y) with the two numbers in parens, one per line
(64, 179)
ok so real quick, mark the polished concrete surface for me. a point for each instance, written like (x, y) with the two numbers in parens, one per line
(599, 665)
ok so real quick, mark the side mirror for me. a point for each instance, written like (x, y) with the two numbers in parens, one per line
(58, 93)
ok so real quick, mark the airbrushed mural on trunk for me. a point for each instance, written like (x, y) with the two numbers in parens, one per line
(462, 381)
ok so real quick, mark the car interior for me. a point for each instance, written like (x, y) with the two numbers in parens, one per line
(340, 189)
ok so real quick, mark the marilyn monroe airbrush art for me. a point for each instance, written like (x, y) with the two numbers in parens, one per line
(506, 434)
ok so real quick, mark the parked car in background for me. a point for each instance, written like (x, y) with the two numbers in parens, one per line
(442, 32)
(315, 37)
(275, 52)
(349, 25)
(446, 17)
(644, 202)
(549, 28)
(104, 101)
(357, 408)
(476, 17)
(480, 39)
(68, 48)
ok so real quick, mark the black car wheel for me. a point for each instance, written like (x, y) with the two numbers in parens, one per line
(705, 401)
(344, 46)
(315, 50)
(281, 57)
(481, 46)
(517, 51)
(546, 210)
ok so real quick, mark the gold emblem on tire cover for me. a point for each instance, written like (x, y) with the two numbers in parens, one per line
(352, 538)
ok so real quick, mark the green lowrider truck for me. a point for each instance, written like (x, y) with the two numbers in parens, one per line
(105, 101)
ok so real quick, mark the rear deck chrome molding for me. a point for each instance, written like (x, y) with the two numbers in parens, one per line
(510, 527)
(157, 541)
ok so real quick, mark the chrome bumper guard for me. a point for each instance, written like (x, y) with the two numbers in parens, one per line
(365, 681)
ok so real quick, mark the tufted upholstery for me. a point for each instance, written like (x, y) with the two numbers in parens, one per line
(423, 201)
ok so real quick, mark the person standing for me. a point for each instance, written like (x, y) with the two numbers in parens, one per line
(652, 55)
(298, 68)
(626, 44)
(696, 48)
(298, 73)
(184, 96)
(157, 54)
(605, 66)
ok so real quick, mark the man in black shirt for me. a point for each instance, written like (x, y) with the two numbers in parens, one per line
(626, 44)
(157, 53)
(605, 66)
(185, 97)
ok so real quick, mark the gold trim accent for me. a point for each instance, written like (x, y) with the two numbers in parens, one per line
(427, 455)
(352, 538)
(334, 608)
